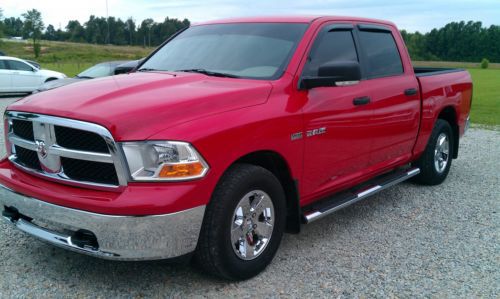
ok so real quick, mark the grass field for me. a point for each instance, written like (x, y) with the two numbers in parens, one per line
(486, 96)
(71, 58)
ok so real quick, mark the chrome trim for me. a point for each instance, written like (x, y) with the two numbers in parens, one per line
(315, 215)
(119, 237)
(252, 225)
(43, 128)
(62, 178)
(55, 238)
(60, 151)
(367, 192)
(346, 83)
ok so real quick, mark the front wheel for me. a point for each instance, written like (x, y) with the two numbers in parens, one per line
(243, 224)
(435, 162)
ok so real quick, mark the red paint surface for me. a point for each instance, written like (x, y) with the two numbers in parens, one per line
(226, 119)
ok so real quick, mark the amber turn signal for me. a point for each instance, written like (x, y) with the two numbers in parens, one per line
(181, 170)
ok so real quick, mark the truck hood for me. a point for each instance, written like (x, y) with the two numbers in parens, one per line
(138, 105)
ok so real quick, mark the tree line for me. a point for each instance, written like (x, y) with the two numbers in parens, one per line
(96, 30)
(456, 41)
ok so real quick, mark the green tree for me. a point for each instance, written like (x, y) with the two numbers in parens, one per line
(50, 33)
(130, 30)
(145, 31)
(33, 26)
(75, 31)
(13, 26)
(1, 23)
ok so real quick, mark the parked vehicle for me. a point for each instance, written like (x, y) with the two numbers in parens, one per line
(228, 135)
(100, 70)
(33, 63)
(20, 76)
(127, 67)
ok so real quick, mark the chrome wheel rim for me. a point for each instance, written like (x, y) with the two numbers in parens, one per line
(252, 225)
(441, 153)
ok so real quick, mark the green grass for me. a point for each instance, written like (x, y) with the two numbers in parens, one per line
(486, 96)
(70, 69)
(72, 58)
(454, 64)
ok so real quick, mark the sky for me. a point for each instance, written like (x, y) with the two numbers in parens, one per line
(412, 15)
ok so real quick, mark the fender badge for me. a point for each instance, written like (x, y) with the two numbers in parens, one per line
(296, 136)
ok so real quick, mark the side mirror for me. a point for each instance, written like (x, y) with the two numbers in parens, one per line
(333, 74)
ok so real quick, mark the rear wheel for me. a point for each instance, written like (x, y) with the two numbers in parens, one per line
(243, 224)
(435, 162)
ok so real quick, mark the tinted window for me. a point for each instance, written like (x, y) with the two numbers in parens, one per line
(19, 66)
(3, 65)
(381, 53)
(99, 70)
(250, 50)
(330, 47)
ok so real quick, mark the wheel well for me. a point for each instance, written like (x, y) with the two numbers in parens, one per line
(276, 164)
(449, 114)
(50, 79)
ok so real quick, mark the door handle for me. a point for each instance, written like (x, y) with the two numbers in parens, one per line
(411, 91)
(361, 101)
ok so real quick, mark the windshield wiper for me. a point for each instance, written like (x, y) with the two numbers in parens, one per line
(147, 70)
(84, 77)
(209, 73)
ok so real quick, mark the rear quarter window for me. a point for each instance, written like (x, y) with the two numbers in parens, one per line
(381, 54)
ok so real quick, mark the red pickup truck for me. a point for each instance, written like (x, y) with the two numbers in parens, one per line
(229, 134)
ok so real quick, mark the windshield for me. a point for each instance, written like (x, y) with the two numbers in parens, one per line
(248, 50)
(99, 70)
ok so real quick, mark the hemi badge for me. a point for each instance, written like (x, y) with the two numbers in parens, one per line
(296, 136)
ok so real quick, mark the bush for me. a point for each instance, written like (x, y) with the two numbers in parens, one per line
(484, 63)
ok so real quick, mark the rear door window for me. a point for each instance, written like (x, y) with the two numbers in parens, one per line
(19, 66)
(381, 53)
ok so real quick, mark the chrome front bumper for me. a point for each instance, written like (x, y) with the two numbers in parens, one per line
(114, 237)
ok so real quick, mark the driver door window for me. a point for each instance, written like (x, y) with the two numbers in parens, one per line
(331, 46)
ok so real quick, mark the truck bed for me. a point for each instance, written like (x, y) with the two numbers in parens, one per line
(430, 71)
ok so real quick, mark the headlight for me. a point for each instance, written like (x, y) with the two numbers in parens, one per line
(163, 161)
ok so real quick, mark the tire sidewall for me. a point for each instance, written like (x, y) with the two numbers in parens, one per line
(429, 174)
(235, 266)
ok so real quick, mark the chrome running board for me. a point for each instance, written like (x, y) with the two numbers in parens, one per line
(345, 199)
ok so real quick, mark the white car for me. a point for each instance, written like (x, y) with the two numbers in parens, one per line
(17, 75)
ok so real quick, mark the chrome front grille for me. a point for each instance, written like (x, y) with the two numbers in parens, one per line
(64, 150)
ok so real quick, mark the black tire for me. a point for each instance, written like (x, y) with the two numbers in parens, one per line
(429, 173)
(215, 253)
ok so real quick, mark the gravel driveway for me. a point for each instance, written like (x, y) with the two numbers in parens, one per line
(407, 241)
